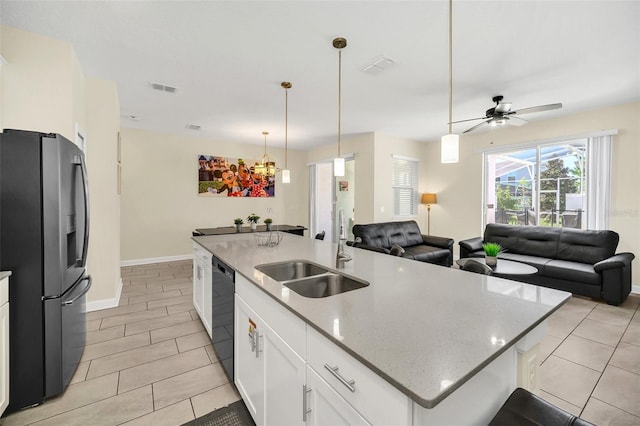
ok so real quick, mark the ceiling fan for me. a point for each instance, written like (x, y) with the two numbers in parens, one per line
(501, 114)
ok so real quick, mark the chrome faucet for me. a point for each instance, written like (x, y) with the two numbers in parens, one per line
(341, 256)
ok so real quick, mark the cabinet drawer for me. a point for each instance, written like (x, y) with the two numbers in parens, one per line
(370, 395)
(4, 291)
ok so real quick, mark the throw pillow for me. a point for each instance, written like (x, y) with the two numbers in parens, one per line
(396, 250)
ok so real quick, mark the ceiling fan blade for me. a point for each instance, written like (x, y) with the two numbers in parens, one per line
(503, 107)
(539, 108)
(476, 126)
(516, 121)
(470, 119)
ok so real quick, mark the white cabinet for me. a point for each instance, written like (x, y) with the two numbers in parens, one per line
(269, 375)
(283, 371)
(202, 276)
(4, 344)
(324, 406)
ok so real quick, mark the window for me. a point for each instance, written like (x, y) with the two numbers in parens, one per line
(405, 186)
(556, 184)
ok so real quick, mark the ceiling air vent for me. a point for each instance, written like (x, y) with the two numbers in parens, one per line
(162, 87)
(193, 127)
(378, 65)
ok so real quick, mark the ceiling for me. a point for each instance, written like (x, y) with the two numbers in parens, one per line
(227, 58)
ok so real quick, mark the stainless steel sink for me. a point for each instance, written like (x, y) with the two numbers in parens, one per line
(324, 285)
(310, 280)
(291, 270)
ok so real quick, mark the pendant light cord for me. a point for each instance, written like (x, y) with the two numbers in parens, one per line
(286, 124)
(339, 95)
(450, 63)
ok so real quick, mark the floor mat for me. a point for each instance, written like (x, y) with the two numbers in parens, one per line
(235, 414)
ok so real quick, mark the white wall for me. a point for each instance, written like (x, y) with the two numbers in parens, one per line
(102, 126)
(458, 213)
(40, 83)
(160, 203)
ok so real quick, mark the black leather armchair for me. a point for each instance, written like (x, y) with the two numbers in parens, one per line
(382, 237)
(580, 261)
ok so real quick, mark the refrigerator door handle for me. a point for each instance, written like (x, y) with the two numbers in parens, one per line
(79, 161)
(82, 293)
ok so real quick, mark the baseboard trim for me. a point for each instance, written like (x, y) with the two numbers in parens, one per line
(98, 305)
(135, 262)
(635, 289)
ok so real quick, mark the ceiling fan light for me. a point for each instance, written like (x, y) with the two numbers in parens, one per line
(449, 148)
(338, 166)
(286, 176)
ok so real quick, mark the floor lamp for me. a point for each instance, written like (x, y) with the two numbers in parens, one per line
(429, 199)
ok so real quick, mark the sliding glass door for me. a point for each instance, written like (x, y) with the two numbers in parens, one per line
(544, 185)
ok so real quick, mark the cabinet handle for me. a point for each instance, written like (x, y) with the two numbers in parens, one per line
(305, 409)
(350, 384)
(258, 350)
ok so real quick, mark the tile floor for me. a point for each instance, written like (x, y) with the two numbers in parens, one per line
(149, 361)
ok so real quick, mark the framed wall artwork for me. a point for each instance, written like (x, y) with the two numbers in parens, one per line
(233, 177)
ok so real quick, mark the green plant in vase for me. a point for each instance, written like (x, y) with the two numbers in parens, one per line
(491, 250)
(238, 222)
(253, 220)
(268, 221)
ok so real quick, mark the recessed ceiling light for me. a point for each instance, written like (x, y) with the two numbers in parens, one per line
(193, 126)
(162, 87)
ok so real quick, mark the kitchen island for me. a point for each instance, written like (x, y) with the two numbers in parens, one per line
(439, 345)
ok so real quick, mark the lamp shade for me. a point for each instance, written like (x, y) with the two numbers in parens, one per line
(286, 176)
(449, 148)
(338, 166)
(429, 199)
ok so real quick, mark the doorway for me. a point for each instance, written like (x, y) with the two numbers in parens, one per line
(330, 194)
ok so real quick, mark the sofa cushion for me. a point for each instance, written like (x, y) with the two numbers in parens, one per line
(572, 271)
(584, 246)
(428, 254)
(538, 262)
(387, 234)
(505, 235)
(538, 241)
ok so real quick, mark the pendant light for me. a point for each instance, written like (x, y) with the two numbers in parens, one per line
(266, 168)
(338, 162)
(286, 173)
(449, 142)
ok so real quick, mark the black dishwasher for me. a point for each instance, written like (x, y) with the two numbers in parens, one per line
(223, 290)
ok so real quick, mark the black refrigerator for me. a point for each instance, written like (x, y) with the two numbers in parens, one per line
(44, 236)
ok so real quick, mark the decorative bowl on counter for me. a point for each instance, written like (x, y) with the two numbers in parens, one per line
(268, 239)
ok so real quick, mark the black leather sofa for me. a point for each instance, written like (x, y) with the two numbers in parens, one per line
(578, 261)
(382, 237)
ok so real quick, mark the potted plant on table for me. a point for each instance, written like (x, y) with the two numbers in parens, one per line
(238, 222)
(253, 220)
(491, 251)
(268, 221)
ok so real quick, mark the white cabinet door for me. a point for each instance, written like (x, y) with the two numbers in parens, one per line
(207, 301)
(249, 365)
(198, 279)
(269, 374)
(284, 381)
(325, 406)
(4, 345)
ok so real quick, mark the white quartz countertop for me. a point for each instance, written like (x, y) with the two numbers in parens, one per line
(426, 329)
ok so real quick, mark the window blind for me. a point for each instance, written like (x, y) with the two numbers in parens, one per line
(405, 184)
